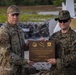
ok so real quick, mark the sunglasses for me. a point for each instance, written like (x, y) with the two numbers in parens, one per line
(64, 21)
(15, 14)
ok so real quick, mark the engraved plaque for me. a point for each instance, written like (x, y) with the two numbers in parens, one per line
(40, 51)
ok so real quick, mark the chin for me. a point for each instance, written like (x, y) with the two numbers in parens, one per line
(64, 28)
(15, 23)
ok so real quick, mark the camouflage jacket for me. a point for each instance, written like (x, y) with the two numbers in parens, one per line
(15, 39)
(5, 58)
(65, 49)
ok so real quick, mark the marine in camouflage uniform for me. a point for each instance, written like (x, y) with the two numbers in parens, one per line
(65, 48)
(14, 39)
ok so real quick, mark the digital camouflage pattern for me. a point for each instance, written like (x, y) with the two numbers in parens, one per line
(5, 58)
(15, 43)
(65, 53)
(63, 15)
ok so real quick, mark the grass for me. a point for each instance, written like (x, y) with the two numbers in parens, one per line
(29, 17)
(2, 18)
(34, 17)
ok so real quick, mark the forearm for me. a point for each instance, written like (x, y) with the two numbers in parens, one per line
(17, 60)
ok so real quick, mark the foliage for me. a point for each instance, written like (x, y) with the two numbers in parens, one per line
(28, 17)
(75, 1)
(58, 2)
(34, 17)
(2, 18)
(31, 2)
(29, 13)
(6, 2)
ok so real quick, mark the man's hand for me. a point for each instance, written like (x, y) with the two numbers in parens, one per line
(52, 61)
(30, 62)
(42, 39)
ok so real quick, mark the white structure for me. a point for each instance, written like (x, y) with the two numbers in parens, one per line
(70, 7)
(63, 6)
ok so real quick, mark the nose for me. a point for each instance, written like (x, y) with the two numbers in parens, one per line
(62, 22)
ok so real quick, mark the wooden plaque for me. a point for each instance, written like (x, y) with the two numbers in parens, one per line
(40, 51)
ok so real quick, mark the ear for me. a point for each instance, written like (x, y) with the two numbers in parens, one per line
(7, 14)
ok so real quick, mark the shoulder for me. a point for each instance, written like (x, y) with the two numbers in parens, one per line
(3, 30)
(19, 28)
(4, 26)
(3, 36)
(55, 35)
(73, 33)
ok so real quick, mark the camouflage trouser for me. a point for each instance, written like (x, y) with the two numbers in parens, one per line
(63, 71)
(29, 70)
(5, 71)
(69, 71)
(19, 70)
(56, 72)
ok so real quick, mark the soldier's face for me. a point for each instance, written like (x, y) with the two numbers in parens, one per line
(64, 25)
(13, 18)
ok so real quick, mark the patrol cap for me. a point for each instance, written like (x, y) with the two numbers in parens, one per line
(13, 9)
(63, 15)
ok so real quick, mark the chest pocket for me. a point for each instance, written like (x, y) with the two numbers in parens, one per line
(66, 45)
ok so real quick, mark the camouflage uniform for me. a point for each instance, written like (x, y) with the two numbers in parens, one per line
(5, 67)
(65, 52)
(15, 39)
(12, 43)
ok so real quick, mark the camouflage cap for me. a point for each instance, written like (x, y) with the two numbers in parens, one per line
(13, 9)
(64, 14)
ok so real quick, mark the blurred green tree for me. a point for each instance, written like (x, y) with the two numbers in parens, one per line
(58, 2)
